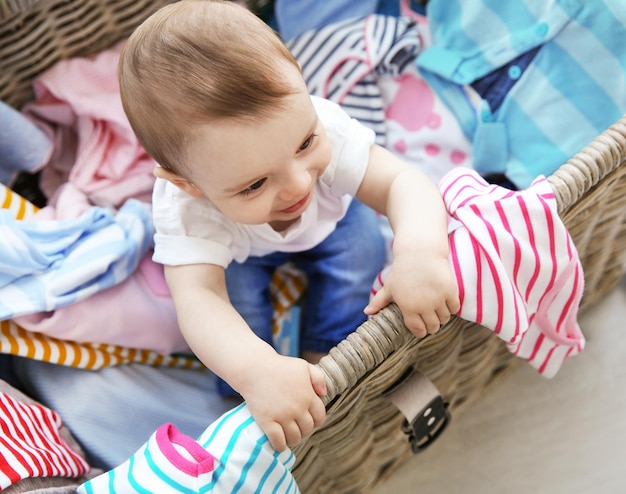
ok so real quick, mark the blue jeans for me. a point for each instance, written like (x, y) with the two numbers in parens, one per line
(340, 273)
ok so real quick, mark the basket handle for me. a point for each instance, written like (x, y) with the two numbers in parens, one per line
(363, 350)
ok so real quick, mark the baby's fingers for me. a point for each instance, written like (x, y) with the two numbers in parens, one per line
(454, 305)
(423, 324)
(381, 300)
(431, 322)
(318, 413)
(293, 433)
(415, 324)
(443, 315)
(276, 436)
(318, 380)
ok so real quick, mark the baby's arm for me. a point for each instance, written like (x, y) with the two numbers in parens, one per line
(282, 392)
(420, 280)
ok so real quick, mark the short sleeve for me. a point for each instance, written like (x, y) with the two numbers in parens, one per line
(188, 229)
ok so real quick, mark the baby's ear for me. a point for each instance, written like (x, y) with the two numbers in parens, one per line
(180, 182)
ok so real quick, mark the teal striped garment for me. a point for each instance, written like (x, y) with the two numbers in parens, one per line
(570, 88)
(231, 456)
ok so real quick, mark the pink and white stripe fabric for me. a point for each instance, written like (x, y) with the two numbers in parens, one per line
(31, 444)
(517, 269)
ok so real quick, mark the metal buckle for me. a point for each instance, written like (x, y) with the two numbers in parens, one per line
(427, 425)
(425, 411)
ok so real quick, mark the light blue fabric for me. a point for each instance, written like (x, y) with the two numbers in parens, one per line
(294, 17)
(45, 265)
(572, 90)
(23, 146)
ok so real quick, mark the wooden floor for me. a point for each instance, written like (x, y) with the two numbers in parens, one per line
(531, 435)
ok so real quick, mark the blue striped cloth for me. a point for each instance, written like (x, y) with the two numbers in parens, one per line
(45, 265)
(549, 75)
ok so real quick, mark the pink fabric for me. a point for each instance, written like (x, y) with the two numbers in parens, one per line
(132, 314)
(517, 269)
(429, 138)
(78, 102)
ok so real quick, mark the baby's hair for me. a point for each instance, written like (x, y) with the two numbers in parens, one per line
(194, 62)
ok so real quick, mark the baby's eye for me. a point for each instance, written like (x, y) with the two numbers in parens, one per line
(255, 186)
(307, 144)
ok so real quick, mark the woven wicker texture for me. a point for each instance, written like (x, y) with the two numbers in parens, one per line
(361, 442)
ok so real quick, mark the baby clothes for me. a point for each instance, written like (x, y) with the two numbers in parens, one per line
(169, 462)
(231, 456)
(50, 264)
(23, 146)
(366, 65)
(516, 267)
(77, 102)
(31, 444)
(342, 61)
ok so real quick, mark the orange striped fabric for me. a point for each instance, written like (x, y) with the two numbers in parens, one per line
(20, 207)
(17, 341)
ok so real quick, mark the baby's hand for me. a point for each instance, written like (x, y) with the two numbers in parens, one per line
(284, 399)
(424, 289)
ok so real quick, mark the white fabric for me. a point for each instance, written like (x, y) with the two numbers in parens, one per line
(190, 230)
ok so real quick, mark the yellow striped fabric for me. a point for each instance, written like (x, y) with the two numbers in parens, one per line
(286, 287)
(17, 341)
(20, 207)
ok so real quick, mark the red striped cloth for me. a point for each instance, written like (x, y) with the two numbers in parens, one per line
(31, 444)
(517, 269)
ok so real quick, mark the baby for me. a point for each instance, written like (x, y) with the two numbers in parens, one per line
(254, 172)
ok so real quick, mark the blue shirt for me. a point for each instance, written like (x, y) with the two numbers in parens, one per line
(532, 81)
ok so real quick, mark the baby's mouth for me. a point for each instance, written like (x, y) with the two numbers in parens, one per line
(297, 205)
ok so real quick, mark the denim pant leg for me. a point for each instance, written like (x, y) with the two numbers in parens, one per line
(248, 286)
(340, 273)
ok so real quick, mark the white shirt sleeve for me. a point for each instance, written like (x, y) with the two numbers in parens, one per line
(188, 230)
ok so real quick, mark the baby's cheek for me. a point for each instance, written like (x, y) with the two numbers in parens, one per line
(325, 154)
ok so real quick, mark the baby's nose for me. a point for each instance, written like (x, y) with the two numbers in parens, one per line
(296, 186)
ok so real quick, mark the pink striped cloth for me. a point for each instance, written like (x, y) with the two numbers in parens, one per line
(517, 269)
(31, 444)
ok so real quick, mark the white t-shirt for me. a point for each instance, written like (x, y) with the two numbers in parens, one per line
(191, 230)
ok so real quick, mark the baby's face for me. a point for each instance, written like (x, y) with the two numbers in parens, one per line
(262, 172)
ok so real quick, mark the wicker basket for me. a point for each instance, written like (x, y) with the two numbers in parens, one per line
(361, 442)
